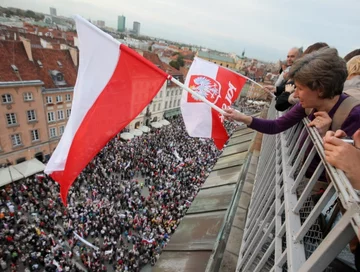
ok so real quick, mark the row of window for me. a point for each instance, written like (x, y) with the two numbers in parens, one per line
(58, 99)
(7, 98)
(35, 135)
(158, 108)
(60, 115)
(171, 104)
(177, 91)
(11, 118)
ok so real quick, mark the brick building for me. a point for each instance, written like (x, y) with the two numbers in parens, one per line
(36, 86)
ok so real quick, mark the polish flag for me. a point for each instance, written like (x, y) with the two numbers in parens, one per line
(218, 85)
(114, 84)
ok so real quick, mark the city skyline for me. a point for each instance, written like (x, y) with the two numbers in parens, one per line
(266, 30)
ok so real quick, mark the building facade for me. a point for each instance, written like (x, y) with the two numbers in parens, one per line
(121, 23)
(53, 12)
(136, 28)
(23, 133)
(100, 23)
(217, 59)
(36, 88)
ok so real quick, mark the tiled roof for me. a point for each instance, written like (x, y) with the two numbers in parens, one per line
(13, 52)
(171, 70)
(49, 59)
(212, 56)
(154, 58)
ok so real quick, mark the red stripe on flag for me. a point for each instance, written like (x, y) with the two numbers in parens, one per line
(231, 86)
(134, 83)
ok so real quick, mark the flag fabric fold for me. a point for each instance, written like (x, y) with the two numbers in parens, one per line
(114, 84)
(216, 84)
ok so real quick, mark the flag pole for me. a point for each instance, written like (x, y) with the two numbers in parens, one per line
(177, 82)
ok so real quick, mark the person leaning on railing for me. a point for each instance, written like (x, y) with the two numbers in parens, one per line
(319, 79)
(345, 157)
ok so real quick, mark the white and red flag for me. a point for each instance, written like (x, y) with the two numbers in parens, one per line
(218, 85)
(114, 84)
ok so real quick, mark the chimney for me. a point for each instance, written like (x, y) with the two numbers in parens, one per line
(27, 46)
(74, 55)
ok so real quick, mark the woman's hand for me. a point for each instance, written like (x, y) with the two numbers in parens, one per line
(344, 156)
(234, 115)
(322, 122)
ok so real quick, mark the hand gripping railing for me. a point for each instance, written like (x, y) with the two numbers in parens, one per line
(283, 229)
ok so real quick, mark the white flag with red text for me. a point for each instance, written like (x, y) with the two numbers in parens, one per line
(218, 85)
(114, 84)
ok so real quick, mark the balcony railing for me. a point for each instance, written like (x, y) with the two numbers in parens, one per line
(285, 221)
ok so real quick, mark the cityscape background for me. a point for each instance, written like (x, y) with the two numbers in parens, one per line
(266, 29)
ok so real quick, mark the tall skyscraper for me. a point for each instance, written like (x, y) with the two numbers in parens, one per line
(136, 28)
(53, 11)
(121, 23)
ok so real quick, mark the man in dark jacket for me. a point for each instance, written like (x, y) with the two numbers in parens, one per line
(282, 95)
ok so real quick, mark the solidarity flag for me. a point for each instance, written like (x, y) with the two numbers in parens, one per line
(114, 84)
(216, 84)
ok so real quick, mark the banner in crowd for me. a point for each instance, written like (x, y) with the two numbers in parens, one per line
(85, 242)
(218, 85)
(114, 84)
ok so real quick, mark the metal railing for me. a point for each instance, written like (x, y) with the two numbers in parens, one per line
(285, 222)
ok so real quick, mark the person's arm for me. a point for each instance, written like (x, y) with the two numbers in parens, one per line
(344, 156)
(291, 118)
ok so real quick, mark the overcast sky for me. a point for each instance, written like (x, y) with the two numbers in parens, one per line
(266, 29)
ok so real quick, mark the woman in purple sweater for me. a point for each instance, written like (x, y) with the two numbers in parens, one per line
(319, 78)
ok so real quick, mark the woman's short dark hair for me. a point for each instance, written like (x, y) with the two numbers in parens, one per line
(321, 70)
(315, 47)
(352, 54)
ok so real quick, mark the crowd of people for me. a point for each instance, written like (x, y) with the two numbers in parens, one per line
(122, 208)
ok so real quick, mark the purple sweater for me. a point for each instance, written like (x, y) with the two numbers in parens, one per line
(297, 113)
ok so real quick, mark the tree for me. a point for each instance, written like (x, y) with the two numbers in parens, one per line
(174, 64)
(180, 61)
(30, 14)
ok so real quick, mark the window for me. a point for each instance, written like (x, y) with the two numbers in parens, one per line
(154, 107)
(168, 82)
(159, 106)
(60, 115)
(176, 92)
(34, 135)
(31, 116)
(28, 97)
(178, 104)
(161, 94)
(51, 116)
(68, 112)
(16, 139)
(58, 98)
(49, 100)
(11, 119)
(61, 130)
(172, 93)
(7, 98)
(167, 93)
(67, 97)
(170, 104)
(166, 105)
(52, 132)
